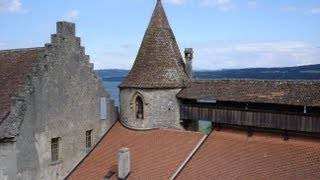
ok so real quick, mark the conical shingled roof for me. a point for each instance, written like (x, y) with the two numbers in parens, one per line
(159, 63)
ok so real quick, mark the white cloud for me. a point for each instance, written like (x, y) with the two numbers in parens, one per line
(291, 8)
(72, 15)
(233, 55)
(114, 60)
(313, 11)
(222, 5)
(11, 6)
(252, 4)
(255, 54)
(176, 2)
(127, 46)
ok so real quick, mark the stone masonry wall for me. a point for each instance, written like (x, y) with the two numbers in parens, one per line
(65, 103)
(8, 161)
(161, 108)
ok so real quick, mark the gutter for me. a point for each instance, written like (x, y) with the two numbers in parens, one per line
(189, 157)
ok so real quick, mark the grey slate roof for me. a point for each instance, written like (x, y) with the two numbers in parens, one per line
(159, 63)
(256, 91)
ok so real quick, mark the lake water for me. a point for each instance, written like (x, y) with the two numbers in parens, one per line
(112, 88)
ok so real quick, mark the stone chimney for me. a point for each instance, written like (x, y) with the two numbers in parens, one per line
(123, 163)
(188, 55)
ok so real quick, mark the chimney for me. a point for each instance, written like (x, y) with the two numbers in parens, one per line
(188, 55)
(123, 163)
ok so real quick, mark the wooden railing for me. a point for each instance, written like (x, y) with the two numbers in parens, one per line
(274, 120)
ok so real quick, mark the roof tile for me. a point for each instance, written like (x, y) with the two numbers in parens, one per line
(256, 91)
(155, 154)
(230, 154)
(159, 63)
(14, 65)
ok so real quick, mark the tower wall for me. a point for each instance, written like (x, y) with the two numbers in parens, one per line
(161, 108)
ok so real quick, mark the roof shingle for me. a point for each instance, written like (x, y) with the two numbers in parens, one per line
(256, 91)
(230, 154)
(159, 63)
(155, 154)
(14, 65)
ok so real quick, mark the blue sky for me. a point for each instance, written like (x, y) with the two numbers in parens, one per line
(223, 33)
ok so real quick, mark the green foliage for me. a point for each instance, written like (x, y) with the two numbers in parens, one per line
(205, 126)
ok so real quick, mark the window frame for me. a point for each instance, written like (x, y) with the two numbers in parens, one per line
(55, 149)
(89, 139)
(103, 108)
(139, 107)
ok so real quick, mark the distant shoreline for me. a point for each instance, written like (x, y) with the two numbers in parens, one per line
(310, 72)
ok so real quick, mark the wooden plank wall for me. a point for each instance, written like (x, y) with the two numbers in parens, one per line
(275, 120)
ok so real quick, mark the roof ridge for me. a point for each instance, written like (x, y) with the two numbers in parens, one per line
(189, 157)
(179, 130)
(258, 80)
(274, 138)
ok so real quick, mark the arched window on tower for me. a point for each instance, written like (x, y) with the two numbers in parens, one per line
(139, 107)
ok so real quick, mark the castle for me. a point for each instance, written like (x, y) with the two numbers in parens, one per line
(53, 108)
(159, 92)
(261, 129)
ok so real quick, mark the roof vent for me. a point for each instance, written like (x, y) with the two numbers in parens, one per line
(123, 163)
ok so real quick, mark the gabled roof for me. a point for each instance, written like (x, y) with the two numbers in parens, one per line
(159, 63)
(255, 91)
(231, 154)
(224, 154)
(14, 65)
(154, 154)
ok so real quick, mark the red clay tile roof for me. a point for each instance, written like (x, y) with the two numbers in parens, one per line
(230, 154)
(14, 65)
(159, 63)
(155, 154)
(256, 91)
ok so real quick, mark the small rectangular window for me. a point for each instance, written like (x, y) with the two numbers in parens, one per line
(103, 109)
(89, 139)
(55, 149)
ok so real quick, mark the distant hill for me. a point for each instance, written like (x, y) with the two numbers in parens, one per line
(112, 74)
(309, 72)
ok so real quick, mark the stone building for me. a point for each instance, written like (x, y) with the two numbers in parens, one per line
(53, 108)
(159, 92)
(261, 129)
(148, 94)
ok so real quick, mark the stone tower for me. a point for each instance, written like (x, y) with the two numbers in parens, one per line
(148, 93)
